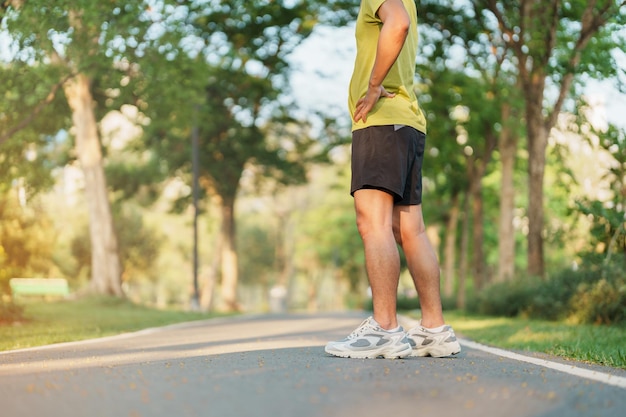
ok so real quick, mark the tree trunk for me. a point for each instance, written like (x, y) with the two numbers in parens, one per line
(230, 270)
(450, 247)
(464, 256)
(537, 144)
(476, 169)
(313, 280)
(106, 270)
(474, 203)
(283, 258)
(506, 233)
(478, 230)
(207, 290)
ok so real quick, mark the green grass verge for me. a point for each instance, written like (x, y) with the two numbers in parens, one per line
(65, 321)
(603, 345)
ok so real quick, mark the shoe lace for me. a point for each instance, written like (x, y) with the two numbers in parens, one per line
(361, 329)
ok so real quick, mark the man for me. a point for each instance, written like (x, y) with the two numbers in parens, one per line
(388, 139)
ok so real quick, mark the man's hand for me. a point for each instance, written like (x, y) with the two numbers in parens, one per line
(366, 103)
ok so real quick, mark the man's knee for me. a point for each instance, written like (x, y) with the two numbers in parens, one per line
(366, 226)
(361, 225)
(374, 212)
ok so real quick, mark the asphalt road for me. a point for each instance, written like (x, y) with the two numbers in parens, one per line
(275, 366)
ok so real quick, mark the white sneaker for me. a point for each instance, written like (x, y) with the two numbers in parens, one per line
(437, 345)
(371, 341)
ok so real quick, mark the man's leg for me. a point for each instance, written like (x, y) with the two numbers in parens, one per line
(410, 233)
(374, 215)
(374, 211)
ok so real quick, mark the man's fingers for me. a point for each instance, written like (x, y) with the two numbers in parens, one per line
(359, 115)
(362, 106)
(385, 93)
(361, 111)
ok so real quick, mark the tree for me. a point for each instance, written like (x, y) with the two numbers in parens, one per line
(553, 46)
(232, 84)
(546, 50)
(84, 45)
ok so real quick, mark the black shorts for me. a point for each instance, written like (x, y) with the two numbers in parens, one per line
(390, 160)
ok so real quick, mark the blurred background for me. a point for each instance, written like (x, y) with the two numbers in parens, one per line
(195, 154)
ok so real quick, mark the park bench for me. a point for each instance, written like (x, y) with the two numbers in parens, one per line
(39, 286)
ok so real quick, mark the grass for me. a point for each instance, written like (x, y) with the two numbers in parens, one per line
(64, 321)
(602, 345)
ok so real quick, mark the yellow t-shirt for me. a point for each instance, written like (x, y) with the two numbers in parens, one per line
(403, 109)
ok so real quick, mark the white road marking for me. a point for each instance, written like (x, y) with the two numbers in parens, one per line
(605, 378)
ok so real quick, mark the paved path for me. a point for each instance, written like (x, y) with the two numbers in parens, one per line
(275, 366)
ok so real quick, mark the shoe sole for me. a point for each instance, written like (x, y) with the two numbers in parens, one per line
(437, 351)
(373, 355)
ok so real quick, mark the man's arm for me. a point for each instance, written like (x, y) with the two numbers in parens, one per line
(393, 33)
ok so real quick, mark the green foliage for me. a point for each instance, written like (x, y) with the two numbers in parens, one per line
(507, 299)
(608, 218)
(52, 43)
(30, 116)
(403, 303)
(602, 301)
(257, 248)
(135, 178)
(607, 228)
(591, 294)
(230, 86)
(550, 299)
(27, 240)
(139, 245)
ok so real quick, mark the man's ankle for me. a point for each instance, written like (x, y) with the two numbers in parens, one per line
(432, 324)
(387, 324)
